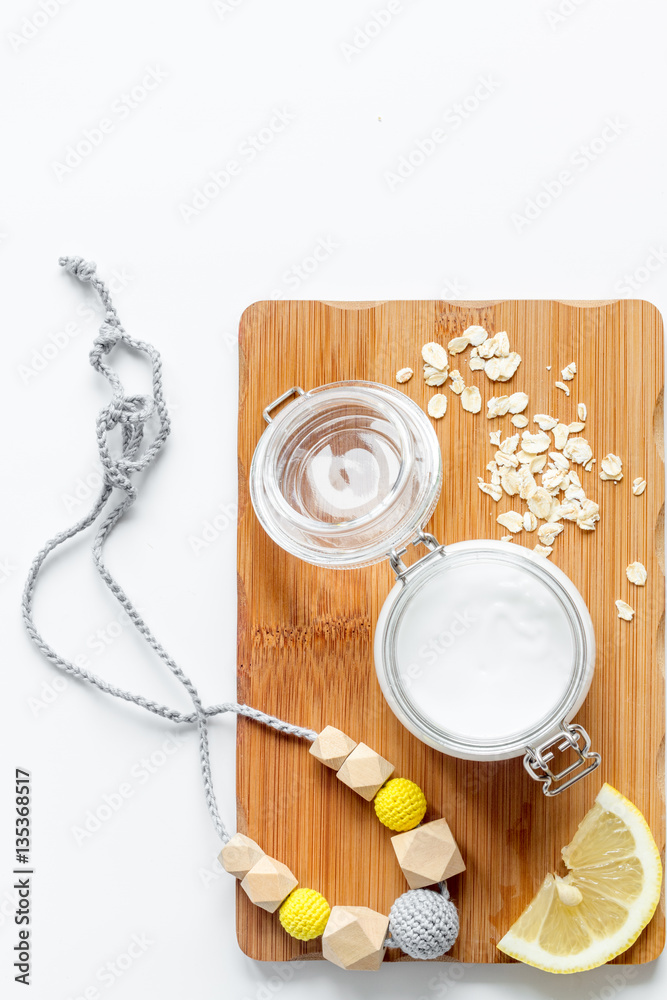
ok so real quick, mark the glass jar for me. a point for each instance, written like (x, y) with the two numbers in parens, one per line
(483, 650)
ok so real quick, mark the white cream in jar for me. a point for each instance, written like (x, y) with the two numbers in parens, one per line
(487, 651)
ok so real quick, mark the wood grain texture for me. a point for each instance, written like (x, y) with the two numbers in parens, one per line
(305, 634)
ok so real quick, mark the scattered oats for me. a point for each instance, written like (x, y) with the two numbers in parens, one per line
(506, 538)
(519, 420)
(561, 385)
(509, 445)
(552, 479)
(533, 444)
(545, 422)
(582, 412)
(457, 344)
(575, 493)
(542, 503)
(636, 573)
(612, 468)
(589, 465)
(567, 511)
(501, 369)
(404, 374)
(495, 476)
(537, 463)
(527, 483)
(471, 399)
(624, 611)
(476, 364)
(493, 491)
(511, 520)
(543, 550)
(476, 335)
(569, 372)
(560, 433)
(589, 514)
(529, 521)
(510, 482)
(502, 345)
(578, 451)
(437, 405)
(576, 426)
(518, 402)
(491, 467)
(548, 368)
(559, 460)
(638, 486)
(497, 406)
(457, 384)
(435, 355)
(547, 533)
(506, 461)
(494, 437)
(433, 376)
(574, 478)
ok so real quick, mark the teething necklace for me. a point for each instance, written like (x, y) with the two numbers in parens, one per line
(422, 922)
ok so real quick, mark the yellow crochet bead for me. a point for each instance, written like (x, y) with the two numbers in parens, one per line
(304, 914)
(400, 804)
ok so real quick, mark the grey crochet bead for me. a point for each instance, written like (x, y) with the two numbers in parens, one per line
(423, 923)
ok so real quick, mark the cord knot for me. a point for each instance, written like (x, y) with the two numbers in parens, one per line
(108, 336)
(82, 269)
(130, 410)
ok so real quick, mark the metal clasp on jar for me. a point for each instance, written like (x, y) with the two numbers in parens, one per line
(296, 390)
(537, 760)
(436, 550)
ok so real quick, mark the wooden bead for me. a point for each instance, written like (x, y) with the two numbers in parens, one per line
(332, 747)
(268, 883)
(239, 855)
(365, 771)
(428, 854)
(354, 938)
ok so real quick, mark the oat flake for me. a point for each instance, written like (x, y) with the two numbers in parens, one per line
(636, 573)
(624, 611)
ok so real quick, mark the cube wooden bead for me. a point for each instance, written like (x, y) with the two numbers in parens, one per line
(428, 854)
(239, 855)
(365, 771)
(268, 883)
(332, 747)
(354, 938)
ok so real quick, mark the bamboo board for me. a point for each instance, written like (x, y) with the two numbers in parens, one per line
(305, 634)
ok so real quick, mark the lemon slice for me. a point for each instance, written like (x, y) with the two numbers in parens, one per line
(604, 902)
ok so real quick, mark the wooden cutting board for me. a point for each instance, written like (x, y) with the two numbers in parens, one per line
(305, 649)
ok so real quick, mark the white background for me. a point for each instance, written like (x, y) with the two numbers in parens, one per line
(359, 100)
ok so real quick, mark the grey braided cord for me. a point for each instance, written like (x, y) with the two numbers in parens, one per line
(132, 414)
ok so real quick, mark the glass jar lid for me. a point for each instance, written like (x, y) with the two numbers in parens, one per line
(482, 649)
(345, 473)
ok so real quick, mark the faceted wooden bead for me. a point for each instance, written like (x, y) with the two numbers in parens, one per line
(365, 771)
(428, 854)
(239, 855)
(268, 883)
(332, 747)
(354, 938)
